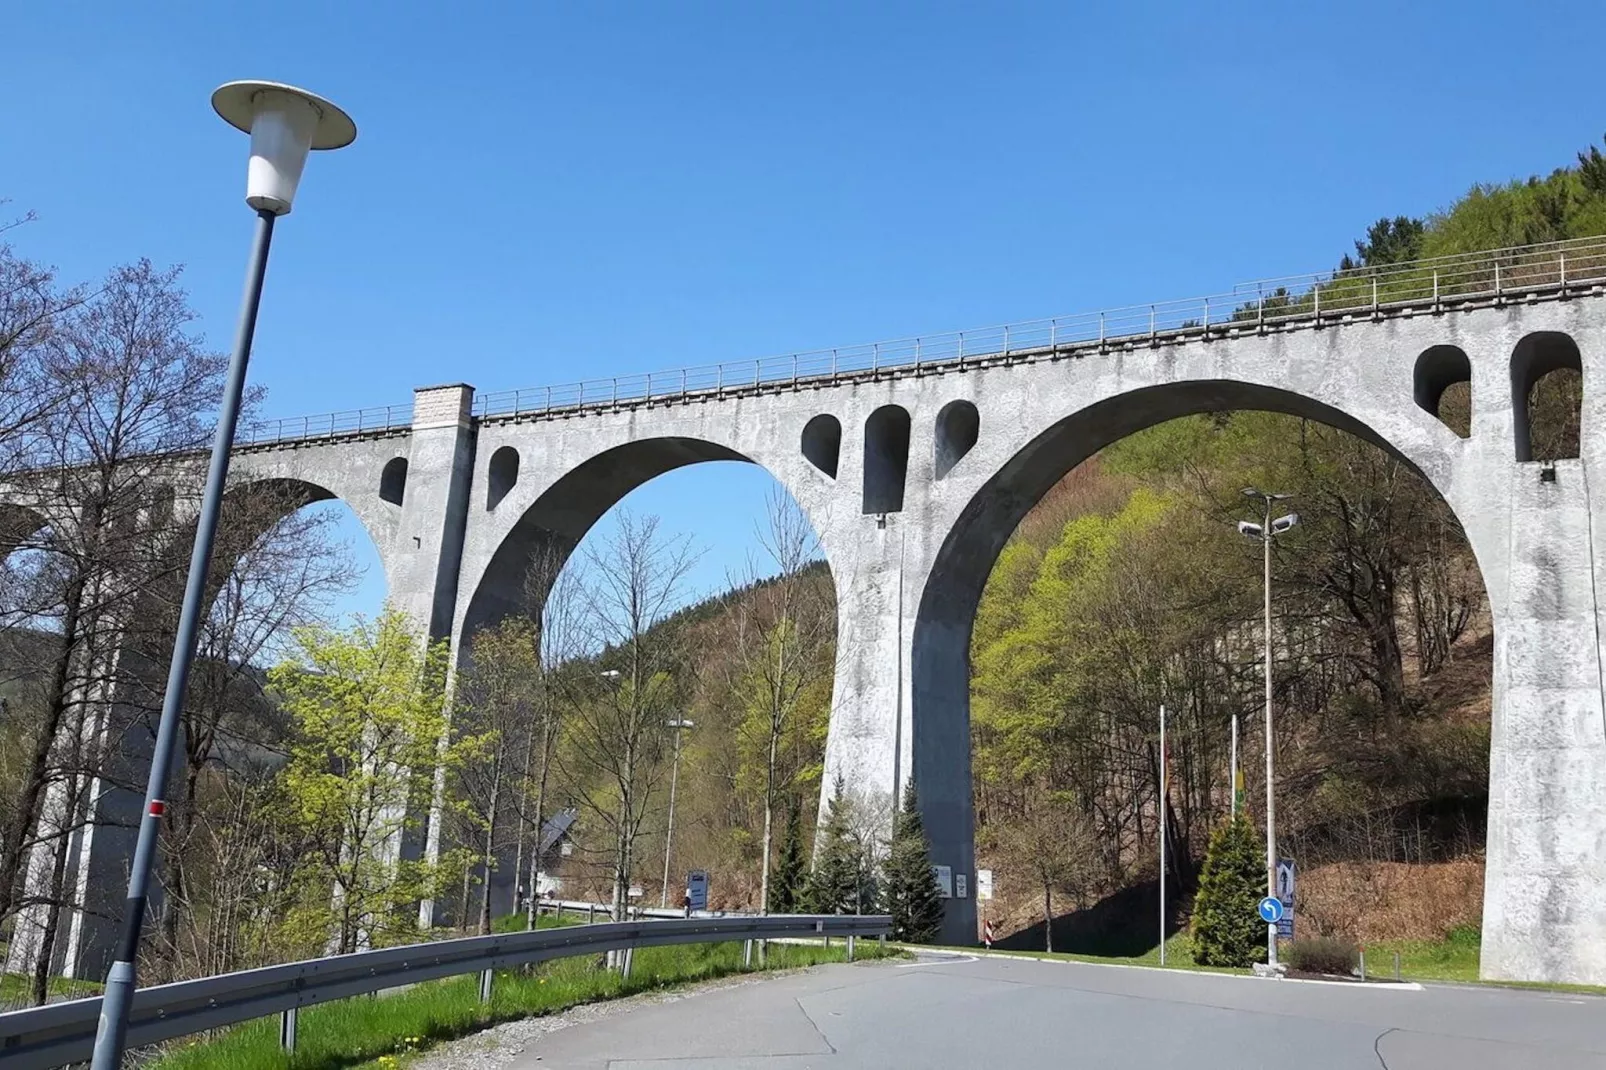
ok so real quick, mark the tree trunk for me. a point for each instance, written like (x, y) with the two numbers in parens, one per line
(25, 810)
(489, 860)
(1048, 917)
(536, 851)
(769, 812)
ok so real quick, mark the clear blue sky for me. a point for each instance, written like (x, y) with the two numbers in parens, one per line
(544, 192)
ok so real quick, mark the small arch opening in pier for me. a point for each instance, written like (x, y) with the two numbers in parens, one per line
(958, 426)
(1547, 395)
(822, 443)
(393, 481)
(1442, 385)
(886, 459)
(501, 475)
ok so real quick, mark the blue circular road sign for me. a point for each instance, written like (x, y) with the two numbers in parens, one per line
(1271, 910)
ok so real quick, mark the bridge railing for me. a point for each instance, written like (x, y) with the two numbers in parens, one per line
(1317, 296)
(1313, 297)
(326, 425)
(61, 1034)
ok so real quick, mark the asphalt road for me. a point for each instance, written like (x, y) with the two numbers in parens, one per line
(1003, 1014)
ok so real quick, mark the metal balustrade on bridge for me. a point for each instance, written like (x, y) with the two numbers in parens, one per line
(1316, 298)
(60, 1034)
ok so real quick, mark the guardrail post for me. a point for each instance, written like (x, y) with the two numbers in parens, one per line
(833, 365)
(1207, 317)
(1497, 278)
(747, 954)
(487, 977)
(1101, 330)
(917, 356)
(961, 347)
(850, 947)
(1374, 295)
(794, 369)
(1316, 295)
(630, 958)
(591, 913)
(1152, 334)
(882, 940)
(683, 382)
(875, 357)
(287, 1029)
(1435, 288)
(1563, 258)
(757, 374)
(1006, 339)
(616, 391)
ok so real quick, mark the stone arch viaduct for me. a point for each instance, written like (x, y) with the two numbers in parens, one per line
(914, 461)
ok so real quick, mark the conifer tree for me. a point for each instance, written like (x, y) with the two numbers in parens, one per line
(913, 898)
(838, 884)
(1227, 930)
(787, 884)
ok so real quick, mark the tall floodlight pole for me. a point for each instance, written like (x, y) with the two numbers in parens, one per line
(669, 836)
(1266, 531)
(285, 123)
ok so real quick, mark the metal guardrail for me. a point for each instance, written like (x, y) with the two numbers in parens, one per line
(60, 1034)
(326, 425)
(1269, 303)
(1266, 304)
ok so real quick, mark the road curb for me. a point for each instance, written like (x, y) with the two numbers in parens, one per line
(982, 956)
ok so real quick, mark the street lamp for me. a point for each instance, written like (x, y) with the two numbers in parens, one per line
(669, 837)
(285, 123)
(1267, 530)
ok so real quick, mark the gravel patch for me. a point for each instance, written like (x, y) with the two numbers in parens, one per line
(502, 1044)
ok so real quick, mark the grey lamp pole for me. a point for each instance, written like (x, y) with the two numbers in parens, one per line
(669, 836)
(1265, 531)
(285, 123)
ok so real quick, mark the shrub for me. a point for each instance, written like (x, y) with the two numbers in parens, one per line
(1227, 931)
(1324, 954)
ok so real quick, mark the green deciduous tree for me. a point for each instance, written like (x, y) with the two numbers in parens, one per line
(1227, 931)
(366, 707)
(912, 896)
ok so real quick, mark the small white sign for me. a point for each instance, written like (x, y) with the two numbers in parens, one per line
(984, 884)
(944, 876)
(697, 888)
(635, 891)
(959, 885)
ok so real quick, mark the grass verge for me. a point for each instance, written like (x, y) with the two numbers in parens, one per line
(383, 1031)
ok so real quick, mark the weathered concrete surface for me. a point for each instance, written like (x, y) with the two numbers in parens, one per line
(456, 548)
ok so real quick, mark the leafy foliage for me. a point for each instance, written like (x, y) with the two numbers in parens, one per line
(367, 709)
(1227, 931)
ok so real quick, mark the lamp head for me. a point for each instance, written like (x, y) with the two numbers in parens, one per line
(1283, 523)
(1249, 528)
(285, 123)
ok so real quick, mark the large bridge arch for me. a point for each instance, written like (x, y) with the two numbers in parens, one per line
(939, 657)
(552, 502)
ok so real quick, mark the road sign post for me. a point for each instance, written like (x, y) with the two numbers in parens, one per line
(697, 889)
(1285, 896)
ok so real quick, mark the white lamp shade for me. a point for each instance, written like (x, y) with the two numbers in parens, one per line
(285, 123)
(281, 137)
